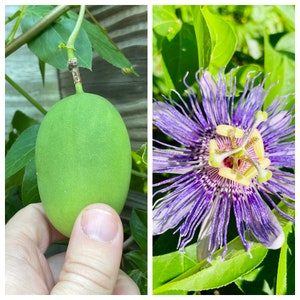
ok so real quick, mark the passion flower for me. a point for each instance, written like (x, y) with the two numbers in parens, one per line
(227, 154)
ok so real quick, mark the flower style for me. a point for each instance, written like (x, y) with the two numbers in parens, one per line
(229, 155)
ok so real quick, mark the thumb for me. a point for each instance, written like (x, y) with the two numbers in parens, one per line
(94, 253)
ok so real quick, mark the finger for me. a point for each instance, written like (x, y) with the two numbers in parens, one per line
(30, 226)
(27, 236)
(125, 285)
(94, 253)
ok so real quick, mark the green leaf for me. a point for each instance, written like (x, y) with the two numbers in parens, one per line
(47, 46)
(139, 169)
(105, 47)
(138, 227)
(161, 78)
(288, 14)
(13, 202)
(165, 21)
(139, 258)
(30, 192)
(282, 71)
(285, 283)
(219, 272)
(19, 123)
(202, 37)
(180, 56)
(140, 279)
(223, 40)
(243, 282)
(169, 266)
(42, 68)
(21, 152)
(262, 280)
(286, 43)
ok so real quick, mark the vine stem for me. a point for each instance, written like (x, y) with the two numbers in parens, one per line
(25, 94)
(70, 47)
(36, 29)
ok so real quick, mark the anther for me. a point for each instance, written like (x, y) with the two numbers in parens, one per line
(257, 143)
(230, 131)
(259, 116)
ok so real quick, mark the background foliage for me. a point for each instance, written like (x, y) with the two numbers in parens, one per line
(253, 38)
(20, 173)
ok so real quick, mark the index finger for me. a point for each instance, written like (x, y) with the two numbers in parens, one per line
(30, 226)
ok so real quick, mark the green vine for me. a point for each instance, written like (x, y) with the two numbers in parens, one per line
(25, 94)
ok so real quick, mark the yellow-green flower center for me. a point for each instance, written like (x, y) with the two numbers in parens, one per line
(239, 156)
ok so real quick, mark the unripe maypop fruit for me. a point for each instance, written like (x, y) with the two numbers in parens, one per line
(83, 156)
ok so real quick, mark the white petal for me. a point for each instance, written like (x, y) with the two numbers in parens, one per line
(275, 241)
(278, 242)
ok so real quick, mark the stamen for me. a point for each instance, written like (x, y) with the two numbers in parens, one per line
(230, 131)
(257, 143)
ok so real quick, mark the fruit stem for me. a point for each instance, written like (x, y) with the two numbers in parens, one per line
(25, 94)
(72, 60)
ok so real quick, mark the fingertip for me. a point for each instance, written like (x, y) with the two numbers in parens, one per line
(101, 223)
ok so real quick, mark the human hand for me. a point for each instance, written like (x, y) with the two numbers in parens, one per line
(90, 265)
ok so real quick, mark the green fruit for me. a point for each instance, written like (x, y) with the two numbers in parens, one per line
(83, 156)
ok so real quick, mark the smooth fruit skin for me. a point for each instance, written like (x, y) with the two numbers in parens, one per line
(83, 156)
